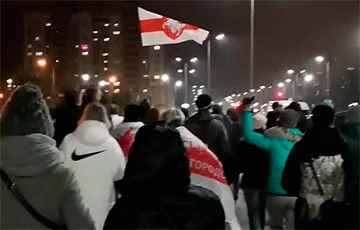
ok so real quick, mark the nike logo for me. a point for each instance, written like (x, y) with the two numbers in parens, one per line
(75, 157)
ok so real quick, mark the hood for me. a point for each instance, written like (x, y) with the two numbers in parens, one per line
(28, 155)
(92, 133)
(293, 135)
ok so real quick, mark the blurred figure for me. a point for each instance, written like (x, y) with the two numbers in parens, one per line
(185, 112)
(125, 132)
(30, 158)
(97, 160)
(217, 112)
(323, 147)
(278, 141)
(302, 123)
(144, 109)
(212, 132)
(273, 115)
(91, 94)
(156, 191)
(152, 116)
(66, 116)
(114, 114)
(198, 153)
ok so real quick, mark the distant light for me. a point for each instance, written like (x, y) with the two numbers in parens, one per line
(57, 60)
(270, 87)
(255, 104)
(39, 53)
(48, 24)
(95, 32)
(178, 59)
(157, 47)
(37, 38)
(233, 95)
(29, 53)
(116, 24)
(85, 77)
(280, 94)
(112, 79)
(262, 87)
(288, 80)
(259, 90)
(193, 59)
(76, 46)
(343, 87)
(353, 104)
(245, 93)
(117, 32)
(350, 69)
(308, 77)
(220, 103)
(157, 77)
(165, 77)
(194, 86)
(290, 71)
(178, 84)
(106, 39)
(106, 24)
(102, 83)
(239, 95)
(105, 54)
(303, 71)
(255, 110)
(319, 73)
(105, 68)
(117, 91)
(145, 90)
(1, 95)
(95, 39)
(29, 46)
(202, 86)
(146, 75)
(96, 75)
(106, 61)
(192, 71)
(117, 83)
(84, 47)
(281, 84)
(47, 46)
(9, 86)
(252, 90)
(9, 81)
(185, 106)
(180, 70)
(319, 58)
(220, 37)
(107, 83)
(84, 53)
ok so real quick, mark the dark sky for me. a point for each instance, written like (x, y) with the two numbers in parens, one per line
(288, 34)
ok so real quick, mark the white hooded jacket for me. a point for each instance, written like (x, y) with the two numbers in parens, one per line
(98, 161)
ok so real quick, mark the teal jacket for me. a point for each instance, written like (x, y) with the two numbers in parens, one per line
(279, 146)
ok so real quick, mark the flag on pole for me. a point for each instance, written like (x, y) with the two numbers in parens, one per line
(159, 30)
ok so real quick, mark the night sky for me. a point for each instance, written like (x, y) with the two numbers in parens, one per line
(288, 34)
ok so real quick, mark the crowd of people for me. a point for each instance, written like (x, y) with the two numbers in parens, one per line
(83, 166)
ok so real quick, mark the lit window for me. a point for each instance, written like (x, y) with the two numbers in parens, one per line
(117, 83)
(117, 32)
(106, 24)
(76, 75)
(117, 91)
(29, 46)
(105, 61)
(48, 24)
(84, 53)
(47, 46)
(76, 46)
(105, 68)
(106, 39)
(116, 24)
(95, 32)
(37, 38)
(105, 54)
(29, 53)
(95, 39)
(39, 53)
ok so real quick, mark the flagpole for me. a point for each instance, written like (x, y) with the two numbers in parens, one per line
(186, 81)
(208, 65)
(252, 45)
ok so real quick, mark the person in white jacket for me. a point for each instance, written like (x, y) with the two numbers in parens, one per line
(97, 160)
(206, 169)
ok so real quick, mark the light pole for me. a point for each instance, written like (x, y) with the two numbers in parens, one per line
(185, 71)
(177, 84)
(42, 63)
(327, 83)
(218, 37)
(112, 81)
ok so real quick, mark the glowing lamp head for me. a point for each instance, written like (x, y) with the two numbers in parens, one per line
(112, 79)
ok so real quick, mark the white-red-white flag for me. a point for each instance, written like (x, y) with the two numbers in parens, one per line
(159, 30)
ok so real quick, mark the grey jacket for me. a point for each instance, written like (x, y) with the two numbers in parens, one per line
(35, 164)
(213, 133)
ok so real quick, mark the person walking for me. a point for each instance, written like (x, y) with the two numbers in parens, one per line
(273, 115)
(212, 132)
(31, 160)
(66, 116)
(318, 169)
(97, 161)
(278, 141)
(125, 132)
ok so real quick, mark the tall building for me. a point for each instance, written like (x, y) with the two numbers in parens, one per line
(97, 48)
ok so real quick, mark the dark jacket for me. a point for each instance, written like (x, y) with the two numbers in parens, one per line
(66, 118)
(272, 118)
(156, 191)
(213, 133)
(326, 142)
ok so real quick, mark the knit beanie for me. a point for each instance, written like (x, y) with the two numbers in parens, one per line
(26, 112)
(203, 101)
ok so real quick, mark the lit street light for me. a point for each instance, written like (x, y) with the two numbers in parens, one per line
(41, 62)
(288, 80)
(281, 85)
(192, 71)
(157, 47)
(303, 71)
(270, 87)
(252, 90)
(185, 106)
(112, 79)
(102, 83)
(194, 59)
(178, 59)
(319, 58)
(85, 77)
(9, 81)
(308, 77)
(165, 77)
(233, 95)
(245, 93)
(220, 37)
(180, 70)
(194, 86)
(290, 71)
(178, 84)
(202, 86)
(145, 90)
(262, 87)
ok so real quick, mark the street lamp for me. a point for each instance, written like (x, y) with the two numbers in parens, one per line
(178, 83)
(41, 62)
(165, 77)
(252, 90)
(220, 37)
(85, 77)
(308, 78)
(303, 71)
(288, 80)
(180, 70)
(281, 85)
(102, 83)
(262, 87)
(290, 71)
(192, 71)
(194, 59)
(9, 81)
(112, 79)
(157, 47)
(178, 59)
(319, 58)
